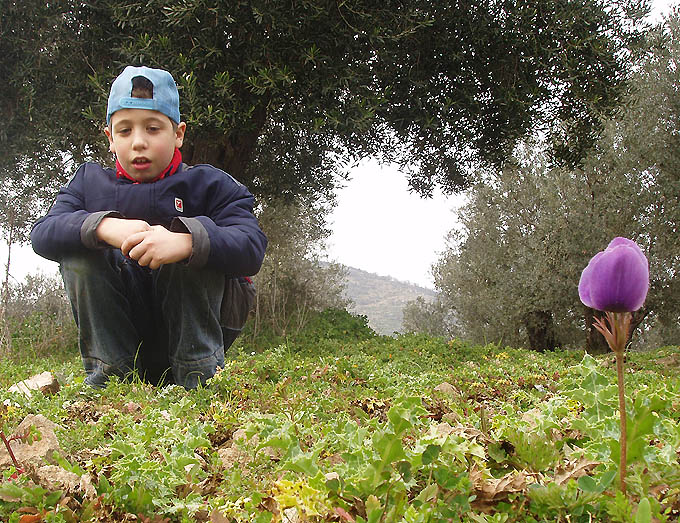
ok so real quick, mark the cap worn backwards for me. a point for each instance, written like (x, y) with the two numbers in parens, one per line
(165, 96)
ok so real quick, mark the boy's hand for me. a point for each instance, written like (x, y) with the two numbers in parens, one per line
(115, 231)
(157, 246)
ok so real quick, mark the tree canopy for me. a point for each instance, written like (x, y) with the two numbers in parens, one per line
(530, 229)
(285, 94)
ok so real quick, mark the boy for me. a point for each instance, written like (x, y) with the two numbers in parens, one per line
(154, 253)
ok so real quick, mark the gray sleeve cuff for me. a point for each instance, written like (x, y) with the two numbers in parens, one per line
(200, 242)
(88, 234)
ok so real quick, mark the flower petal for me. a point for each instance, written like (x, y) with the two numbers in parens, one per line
(630, 243)
(619, 279)
(585, 281)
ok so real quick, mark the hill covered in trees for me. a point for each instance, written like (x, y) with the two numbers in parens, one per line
(381, 298)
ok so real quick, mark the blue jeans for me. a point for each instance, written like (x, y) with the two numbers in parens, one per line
(163, 323)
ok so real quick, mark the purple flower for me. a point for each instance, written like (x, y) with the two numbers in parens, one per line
(616, 279)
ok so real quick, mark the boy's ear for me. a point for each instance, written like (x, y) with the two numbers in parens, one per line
(107, 132)
(179, 134)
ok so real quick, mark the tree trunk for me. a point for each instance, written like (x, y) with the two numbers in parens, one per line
(637, 317)
(5, 338)
(541, 331)
(595, 342)
(231, 153)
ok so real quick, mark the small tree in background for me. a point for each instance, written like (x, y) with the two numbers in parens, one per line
(39, 318)
(434, 317)
(25, 197)
(293, 282)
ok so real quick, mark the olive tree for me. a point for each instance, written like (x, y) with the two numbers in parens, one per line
(284, 95)
(530, 229)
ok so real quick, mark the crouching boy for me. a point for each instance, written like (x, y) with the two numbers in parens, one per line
(154, 254)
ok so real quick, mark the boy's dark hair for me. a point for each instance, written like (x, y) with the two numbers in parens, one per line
(141, 87)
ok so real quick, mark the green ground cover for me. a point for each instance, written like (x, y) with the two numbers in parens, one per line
(338, 424)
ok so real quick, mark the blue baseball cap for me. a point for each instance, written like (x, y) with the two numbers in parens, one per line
(165, 96)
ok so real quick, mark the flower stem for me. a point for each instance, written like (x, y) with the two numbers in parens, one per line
(9, 449)
(617, 334)
(622, 416)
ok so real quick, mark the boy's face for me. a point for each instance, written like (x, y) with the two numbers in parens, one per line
(144, 141)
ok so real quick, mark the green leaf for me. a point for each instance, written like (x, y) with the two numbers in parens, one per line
(445, 478)
(53, 498)
(404, 468)
(431, 453)
(333, 484)
(496, 453)
(427, 493)
(103, 487)
(644, 512)
(305, 463)
(607, 479)
(389, 447)
(399, 422)
(373, 476)
(587, 484)
(264, 517)
(11, 491)
(374, 509)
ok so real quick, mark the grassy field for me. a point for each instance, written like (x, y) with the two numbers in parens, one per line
(341, 425)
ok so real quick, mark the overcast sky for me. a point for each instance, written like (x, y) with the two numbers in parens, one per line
(377, 226)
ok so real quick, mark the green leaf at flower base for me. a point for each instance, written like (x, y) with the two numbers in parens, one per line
(644, 512)
(640, 427)
(607, 479)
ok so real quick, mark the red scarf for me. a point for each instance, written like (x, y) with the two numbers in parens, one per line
(169, 170)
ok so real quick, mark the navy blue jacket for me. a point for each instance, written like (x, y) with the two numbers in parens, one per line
(205, 201)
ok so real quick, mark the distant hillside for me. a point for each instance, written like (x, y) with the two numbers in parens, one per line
(381, 298)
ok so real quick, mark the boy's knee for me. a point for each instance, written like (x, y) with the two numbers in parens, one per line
(77, 264)
(90, 264)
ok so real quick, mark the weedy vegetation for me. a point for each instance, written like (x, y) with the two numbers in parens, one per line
(337, 424)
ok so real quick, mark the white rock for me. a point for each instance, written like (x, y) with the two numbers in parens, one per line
(53, 477)
(37, 452)
(290, 515)
(447, 389)
(45, 383)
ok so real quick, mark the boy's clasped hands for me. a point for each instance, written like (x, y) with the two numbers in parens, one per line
(149, 245)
